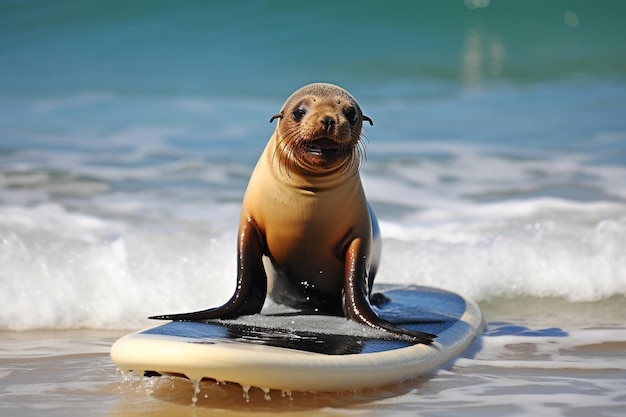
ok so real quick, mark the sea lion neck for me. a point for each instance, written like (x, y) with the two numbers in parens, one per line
(297, 174)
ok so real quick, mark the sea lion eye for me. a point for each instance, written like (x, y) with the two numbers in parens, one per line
(351, 115)
(298, 113)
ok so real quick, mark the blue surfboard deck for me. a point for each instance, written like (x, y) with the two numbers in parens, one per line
(288, 350)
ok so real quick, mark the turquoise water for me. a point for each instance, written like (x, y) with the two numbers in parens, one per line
(265, 48)
(496, 164)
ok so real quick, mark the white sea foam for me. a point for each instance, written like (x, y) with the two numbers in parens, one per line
(544, 248)
(66, 269)
(112, 283)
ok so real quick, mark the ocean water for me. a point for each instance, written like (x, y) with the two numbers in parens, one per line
(496, 165)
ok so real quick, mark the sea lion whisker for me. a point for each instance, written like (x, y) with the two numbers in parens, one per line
(362, 149)
(284, 150)
(289, 150)
(355, 163)
(278, 152)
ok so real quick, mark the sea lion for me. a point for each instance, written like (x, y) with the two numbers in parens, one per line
(305, 212)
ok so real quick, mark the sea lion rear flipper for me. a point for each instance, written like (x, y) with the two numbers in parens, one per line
(251, 287)
(356, 305)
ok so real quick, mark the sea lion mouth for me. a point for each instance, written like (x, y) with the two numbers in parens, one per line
(323, 147)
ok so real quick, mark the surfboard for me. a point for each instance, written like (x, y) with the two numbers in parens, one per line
(285, 350)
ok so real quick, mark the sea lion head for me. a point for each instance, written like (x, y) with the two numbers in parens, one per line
(319, 131)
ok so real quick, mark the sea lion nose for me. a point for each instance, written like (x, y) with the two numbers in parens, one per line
(328, 122)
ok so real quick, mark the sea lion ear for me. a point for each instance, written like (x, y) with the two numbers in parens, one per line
(367, 119)
(276, 116)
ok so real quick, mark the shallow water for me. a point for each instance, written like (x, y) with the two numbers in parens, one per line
(522, 364)
(496, 165)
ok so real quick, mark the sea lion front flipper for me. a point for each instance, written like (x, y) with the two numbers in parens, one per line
(356, 306)
(251, 287)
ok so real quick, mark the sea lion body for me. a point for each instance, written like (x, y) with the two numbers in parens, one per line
(307, 225)
(305, 212)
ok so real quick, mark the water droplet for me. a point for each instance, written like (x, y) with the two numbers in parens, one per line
(196, 391)
(246, 392)
(267, 394)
